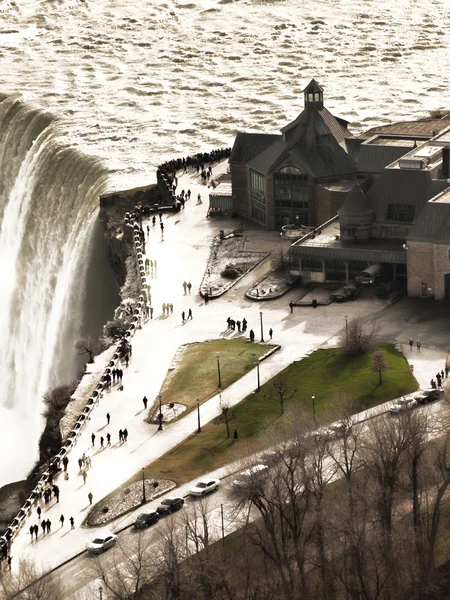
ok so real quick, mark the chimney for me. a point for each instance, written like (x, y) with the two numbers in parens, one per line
(446, 163)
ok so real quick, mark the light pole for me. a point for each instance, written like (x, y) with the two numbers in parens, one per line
(100, 591)
(262, 331)
(218, 372)
(160, 416)
(346, 329)
(199, 429)
(144, 499)
(313, 398)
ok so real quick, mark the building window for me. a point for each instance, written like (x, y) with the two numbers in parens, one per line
(291, 197)
(258, 197)
(403, 213)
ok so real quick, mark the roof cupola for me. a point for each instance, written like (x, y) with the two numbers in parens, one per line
(313, 95)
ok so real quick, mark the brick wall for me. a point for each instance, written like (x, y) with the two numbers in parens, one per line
(240, 187)
(420, 268)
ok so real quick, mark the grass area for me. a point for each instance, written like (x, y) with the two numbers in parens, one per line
(197, 375)
(334, 378)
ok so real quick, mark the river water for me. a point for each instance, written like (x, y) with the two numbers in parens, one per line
(94, 94)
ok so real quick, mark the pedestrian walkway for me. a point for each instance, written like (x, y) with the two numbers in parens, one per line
(181, 255)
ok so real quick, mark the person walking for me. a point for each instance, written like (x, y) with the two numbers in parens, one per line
(56, 492)
(108, 418)
(120, 435)
(183, 319)
(418, 344)
(9, 559)
(411, 343)
(184, 287)
(72, 523)
(127, 360)
(84, 476)
(108, 439)
(271, 332)
(49, 526)
(153, 220)
(93, 439)
(291, 306)
(44, 526)
(102, 440)
(190, 314)
(162, 227)
(189, 285)
(65, 462)
(238, 323)
(80, 463)
(61, 520)
(171, 308)
(31, 531)
(160, 217)
(252, 335)
(125, 434)
(90, 496)
(145, 400)
(36, 531)
(244, 324)
(39, 510)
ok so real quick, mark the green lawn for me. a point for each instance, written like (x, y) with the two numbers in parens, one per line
(197, 375)
(335, 380)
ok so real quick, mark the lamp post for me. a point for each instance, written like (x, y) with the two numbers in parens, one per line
(313, 398)
(199, 429)
(160, 416)
(346, 329)
(262, 331)
(100, 591)
(218, 372)
(144, 499)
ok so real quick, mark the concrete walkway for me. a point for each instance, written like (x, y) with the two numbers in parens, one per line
(181, 256)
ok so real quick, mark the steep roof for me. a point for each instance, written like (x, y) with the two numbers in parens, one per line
(398, 186)
(373, 158)
(313, 122)
(433, 224)
(248, 145)
(264, 161)
(356, 204)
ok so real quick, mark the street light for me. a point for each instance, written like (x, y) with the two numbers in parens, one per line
(160, 416)
(218, 372)
(346, 329)
(262, 331)
(144, 499)
(313, 398)
(199, 429)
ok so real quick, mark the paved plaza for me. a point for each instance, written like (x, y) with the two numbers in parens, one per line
(181, 256)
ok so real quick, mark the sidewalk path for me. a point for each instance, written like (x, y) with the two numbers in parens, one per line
(181, 256)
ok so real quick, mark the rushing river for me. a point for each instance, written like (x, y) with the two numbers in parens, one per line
(95, 93)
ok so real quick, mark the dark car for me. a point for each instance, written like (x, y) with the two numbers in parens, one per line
(146, 519)
(427, 395)
(170, 505)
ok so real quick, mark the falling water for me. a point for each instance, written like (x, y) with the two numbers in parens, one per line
(48, 205)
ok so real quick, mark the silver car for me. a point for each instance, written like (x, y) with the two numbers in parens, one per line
(102, 543)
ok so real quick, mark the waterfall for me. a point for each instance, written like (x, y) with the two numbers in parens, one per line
(48, 207)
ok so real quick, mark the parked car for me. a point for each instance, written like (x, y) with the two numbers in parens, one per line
(401, 404)
(102, 543)
(146, 519)
(251, 474)
(204, 487)
(170, 505)
(425, 396)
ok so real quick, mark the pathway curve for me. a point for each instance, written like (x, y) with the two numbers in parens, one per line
(181, 255)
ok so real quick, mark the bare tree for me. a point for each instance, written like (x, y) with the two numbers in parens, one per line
(226, 415)
(379, 364)
(28, 583)
(279, 391)
(116, 329)
(86, 345)
(358, 337)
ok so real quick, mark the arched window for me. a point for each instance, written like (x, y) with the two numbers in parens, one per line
(291, 170)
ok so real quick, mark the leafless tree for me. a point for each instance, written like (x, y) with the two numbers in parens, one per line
(379, 364)
(28, 583)
(226, 415)
(280, 392)
(358, 337)
(86, 345)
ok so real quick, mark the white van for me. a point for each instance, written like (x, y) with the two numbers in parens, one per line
(250, 474)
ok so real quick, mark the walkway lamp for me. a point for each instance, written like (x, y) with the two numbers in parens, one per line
(262, 331)
(199, 429)
(160, 416)
(218, 372)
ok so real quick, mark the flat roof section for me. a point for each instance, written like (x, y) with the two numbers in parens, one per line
(391, 141)
(329, 245)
